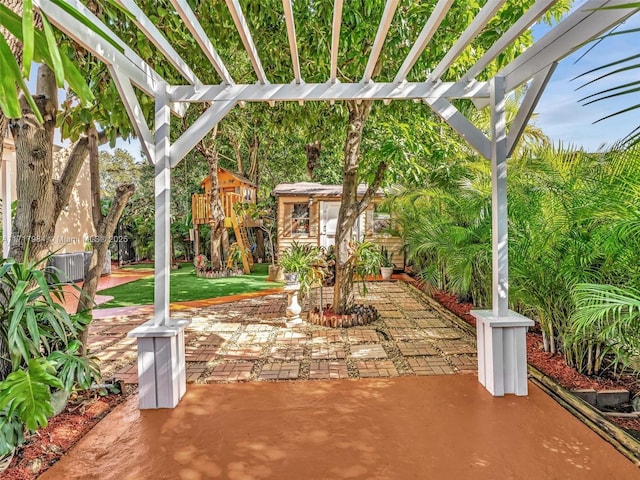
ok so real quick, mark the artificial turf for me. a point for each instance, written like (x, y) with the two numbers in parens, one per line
(185, 286)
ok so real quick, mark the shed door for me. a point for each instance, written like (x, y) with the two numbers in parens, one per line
(329, 223)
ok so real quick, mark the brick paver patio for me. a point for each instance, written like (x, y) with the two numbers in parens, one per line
(246, 340)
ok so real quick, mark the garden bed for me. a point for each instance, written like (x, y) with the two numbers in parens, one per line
(46, 446)
(361, 315)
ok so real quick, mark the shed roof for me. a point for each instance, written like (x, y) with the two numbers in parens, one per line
(317, 190)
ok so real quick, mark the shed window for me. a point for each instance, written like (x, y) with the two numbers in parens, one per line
(381, 221)
(300, 218)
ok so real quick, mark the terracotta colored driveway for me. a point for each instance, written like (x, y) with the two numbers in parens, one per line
(427, 428)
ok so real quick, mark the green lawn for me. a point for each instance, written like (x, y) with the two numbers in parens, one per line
(185, 286)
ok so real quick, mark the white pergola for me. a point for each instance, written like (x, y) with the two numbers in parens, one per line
(501, 332)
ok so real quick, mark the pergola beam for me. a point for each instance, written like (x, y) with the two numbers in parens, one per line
(157, 38)
(456, 120)
(247, 39)
(191, 22)
(134, 110)
(434, 21)
(579, 27)
(381, 35)
(328, 92)
(293, 43)
(125, 60)
(522, 24)
(335, 39)
(475, 27)
(196, 132)
(534, 92)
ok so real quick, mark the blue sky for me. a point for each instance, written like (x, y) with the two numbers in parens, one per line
(560, 114)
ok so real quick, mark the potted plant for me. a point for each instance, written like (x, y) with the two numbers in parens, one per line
(386, 266)
(303, 264)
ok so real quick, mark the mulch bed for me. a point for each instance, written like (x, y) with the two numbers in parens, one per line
(552, 365)
(45, 447)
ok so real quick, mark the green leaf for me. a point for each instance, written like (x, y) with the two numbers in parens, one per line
(9, 79)
(28, 41)
(27, 394)
(8, 93)
(87, 23)
(56, 61)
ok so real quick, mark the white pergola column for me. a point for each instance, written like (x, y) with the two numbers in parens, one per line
(502, 352)
(161, 355)
(6, 205)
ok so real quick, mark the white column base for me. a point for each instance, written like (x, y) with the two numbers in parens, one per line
(502, 352)
(162, 378)
(293, 308)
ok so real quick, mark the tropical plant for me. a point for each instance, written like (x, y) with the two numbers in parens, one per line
(573, 219)
(367, 260)
(235, 255)
(43, 347)
(307, 262)
(386, 258)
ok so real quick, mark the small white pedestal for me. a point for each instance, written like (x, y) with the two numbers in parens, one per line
(293, 308)
(502, 352)
(162, 379)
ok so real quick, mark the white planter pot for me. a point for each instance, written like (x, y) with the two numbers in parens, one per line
(386, 272)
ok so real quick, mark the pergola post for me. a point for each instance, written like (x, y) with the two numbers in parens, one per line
(502, 352)
(161, 354)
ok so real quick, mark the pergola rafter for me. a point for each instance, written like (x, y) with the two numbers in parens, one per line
(336, 23)
(157, 38)
(430, 28)
(192, 23)
(381, 36)
(522, 24)
(247, 39)
(293, 42)
(578, 28)
(501, 349)
(472, 31)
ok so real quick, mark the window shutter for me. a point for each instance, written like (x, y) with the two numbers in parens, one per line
(313, 220)
(286, 219)
(368, 222)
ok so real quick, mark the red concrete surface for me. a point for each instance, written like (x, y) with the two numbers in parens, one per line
(117, 277)
(435, 428)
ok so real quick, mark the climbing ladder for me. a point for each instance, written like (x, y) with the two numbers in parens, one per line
(242, 238)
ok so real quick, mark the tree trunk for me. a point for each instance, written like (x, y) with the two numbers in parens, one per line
(41, 197)
(312, 151)
(260, 243)
(217, 212)
(35, 220)
(343, 289)
(351, 207)
(104, 231)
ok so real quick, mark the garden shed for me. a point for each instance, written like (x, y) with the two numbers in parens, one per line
(308, 213)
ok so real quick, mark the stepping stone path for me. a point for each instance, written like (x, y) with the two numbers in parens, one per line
(247, 340)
